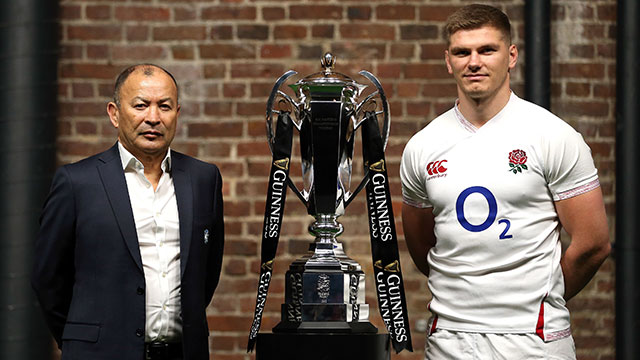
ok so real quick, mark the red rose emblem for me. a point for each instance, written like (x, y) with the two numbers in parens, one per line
(517, 157)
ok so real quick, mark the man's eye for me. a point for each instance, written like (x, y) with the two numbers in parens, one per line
(139, 106)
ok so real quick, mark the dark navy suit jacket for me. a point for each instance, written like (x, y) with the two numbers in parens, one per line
(88, 272)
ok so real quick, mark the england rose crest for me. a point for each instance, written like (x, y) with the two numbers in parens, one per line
(517, 161)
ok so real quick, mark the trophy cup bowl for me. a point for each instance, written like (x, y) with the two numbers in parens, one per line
(325, 290)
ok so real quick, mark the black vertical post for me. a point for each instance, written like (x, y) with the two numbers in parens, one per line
(28, 103)
(627, 243)
(537, 69)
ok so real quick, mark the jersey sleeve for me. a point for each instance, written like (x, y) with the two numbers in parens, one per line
(570, 170)
(412, 176)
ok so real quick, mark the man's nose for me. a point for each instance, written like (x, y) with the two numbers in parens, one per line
(153, 115)
(475, 62)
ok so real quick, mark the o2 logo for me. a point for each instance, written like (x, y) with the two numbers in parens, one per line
(491, 217)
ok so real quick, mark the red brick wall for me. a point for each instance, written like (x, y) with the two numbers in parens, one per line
(226, 55)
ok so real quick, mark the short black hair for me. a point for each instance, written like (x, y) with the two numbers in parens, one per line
(148, 71)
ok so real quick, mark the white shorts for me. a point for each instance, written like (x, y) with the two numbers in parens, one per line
(449, 345)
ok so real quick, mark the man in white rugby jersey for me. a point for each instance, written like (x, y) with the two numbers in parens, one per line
(487, 186)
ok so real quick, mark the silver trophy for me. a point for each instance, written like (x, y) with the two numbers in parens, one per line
(325, 290)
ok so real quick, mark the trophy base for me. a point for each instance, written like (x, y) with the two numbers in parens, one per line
(314, 327)
(295, 346)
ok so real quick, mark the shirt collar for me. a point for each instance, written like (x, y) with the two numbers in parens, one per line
(129, 161)
(467, 124)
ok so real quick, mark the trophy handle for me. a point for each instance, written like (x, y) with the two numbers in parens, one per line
(385, 127)
(275, 93)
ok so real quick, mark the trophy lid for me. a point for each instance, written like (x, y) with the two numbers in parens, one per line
(327, 81)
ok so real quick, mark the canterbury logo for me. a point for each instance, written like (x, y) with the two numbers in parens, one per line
(282, 163)
(393, 267)
(268, 265)
(436, 167)
(377, 166)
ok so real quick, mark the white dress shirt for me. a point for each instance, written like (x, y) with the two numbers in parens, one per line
(156, 217)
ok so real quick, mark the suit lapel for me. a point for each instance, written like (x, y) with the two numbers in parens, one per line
(115, 186)
(184, 198)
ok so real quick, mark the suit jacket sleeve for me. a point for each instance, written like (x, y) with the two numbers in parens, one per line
(217, 247)
(53, 271)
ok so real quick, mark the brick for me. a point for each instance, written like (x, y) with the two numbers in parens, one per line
(273, 13)
(311, 52)
(253, 148)
(71, 51)
(184, 14)
(432, 51)
(436, 13)
(578, 89)
(99, 52)
(181, 32)
(82, 90)
(270, 51)
(94, 32)
(314, 12)
(70, 12)
(402, 51)
(235, 267)
(183, 52)
(322, 31)
(217, 108)
(396, 12)
(98, 12)
(137, 33)
(89, 71)
(229, 13)
(582, 51)
(367, 31)
(418, 32)
(261, 70)
(233, 90)
(214, 71)
(253, 32)
(359, 12)
(227, 51)
(138, 52)
(289, 32)
(222, 32)
(580, 71)
(607, 12)
(142, 13)
(426, 71)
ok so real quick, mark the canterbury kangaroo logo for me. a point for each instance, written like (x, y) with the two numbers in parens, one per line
(436, 167)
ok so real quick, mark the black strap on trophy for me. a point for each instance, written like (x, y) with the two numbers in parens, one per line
(384, 241)
(274, 210)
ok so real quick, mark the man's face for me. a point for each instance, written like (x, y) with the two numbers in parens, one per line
(148, 113)
(480, 60)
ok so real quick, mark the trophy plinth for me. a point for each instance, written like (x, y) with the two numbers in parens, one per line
(324, 291)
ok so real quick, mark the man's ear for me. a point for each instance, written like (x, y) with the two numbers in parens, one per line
(446, 60)
(114, 113)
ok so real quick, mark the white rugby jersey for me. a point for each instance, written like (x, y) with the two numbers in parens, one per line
(496, 263)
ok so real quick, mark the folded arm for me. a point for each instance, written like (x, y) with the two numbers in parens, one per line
(584, 219)
(418, 224)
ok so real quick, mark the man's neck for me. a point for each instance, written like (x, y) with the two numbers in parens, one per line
(480, 110)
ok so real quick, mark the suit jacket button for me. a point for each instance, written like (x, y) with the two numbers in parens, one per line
(140, 291)
(139, 332)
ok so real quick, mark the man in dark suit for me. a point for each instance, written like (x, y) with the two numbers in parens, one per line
(130, 244)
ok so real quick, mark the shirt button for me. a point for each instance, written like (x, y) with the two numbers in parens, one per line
(164, 274)
(139, 332)
(140, 291)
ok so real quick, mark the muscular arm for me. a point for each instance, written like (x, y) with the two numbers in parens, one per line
(584, 219)
(418, 232)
